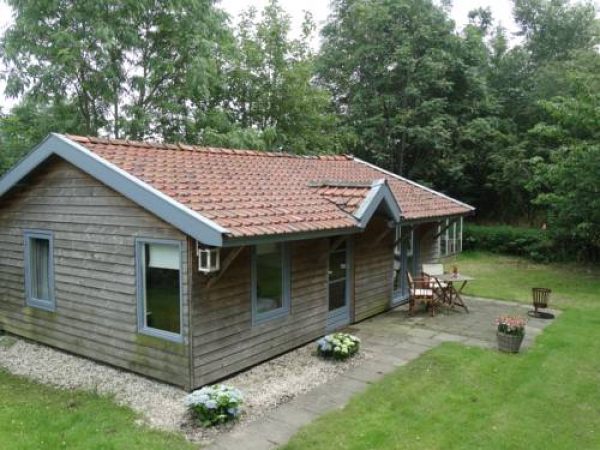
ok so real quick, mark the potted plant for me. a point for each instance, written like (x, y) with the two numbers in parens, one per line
(511, 331)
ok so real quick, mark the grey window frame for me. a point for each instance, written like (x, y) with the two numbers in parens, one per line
(140, 277)
(30, 300)
(284, 310)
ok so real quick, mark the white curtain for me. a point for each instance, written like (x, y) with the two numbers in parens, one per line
(40, 256)
(164, 256)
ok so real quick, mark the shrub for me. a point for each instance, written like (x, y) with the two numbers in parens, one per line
(216, 404)
(513, 325)
(338, 346)
(529, 242)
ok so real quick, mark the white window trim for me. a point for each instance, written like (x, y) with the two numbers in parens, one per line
(452, 244)
(284, 310)
(143, 328)
(30, 300)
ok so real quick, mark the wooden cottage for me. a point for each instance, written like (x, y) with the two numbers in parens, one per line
(188, 264)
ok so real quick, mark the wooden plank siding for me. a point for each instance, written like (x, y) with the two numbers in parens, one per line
(429, 246)
(224, 338)
(373, 269)
(94, 232)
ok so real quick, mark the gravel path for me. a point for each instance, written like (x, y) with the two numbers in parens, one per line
(161, 406)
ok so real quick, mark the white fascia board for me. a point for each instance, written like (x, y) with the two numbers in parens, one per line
(380, 192)
(181, 217)
(395, 175)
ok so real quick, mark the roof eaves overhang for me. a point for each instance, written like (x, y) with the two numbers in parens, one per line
(181, 217)
(379, 195)
(288, 237)
(438, 218)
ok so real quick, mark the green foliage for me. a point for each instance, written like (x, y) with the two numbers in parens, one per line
(530, 242)
(213, 405)
(140, 70)
(133, 68)
(574, 198)
(554, 28)
(567, 182)
(29, 123)
(391, 67)
(338, 346)
(270, 86)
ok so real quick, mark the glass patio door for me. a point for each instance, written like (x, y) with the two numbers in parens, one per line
(338, 281)
(403, 263)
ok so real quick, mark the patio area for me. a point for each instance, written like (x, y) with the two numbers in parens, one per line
(397, 328)
(389, 340)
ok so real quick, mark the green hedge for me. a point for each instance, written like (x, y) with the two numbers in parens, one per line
(529, 242)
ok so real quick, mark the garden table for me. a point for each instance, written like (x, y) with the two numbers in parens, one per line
(452, 294)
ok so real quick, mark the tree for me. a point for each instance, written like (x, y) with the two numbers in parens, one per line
(271, 85)
(559, 42)
(553, 29)
(567, 183)
(389, 65)
(29, 123)
(138, 68)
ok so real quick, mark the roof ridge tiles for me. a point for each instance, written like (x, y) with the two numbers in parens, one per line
(188, 147)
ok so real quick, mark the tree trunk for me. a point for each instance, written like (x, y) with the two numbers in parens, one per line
(116, 114)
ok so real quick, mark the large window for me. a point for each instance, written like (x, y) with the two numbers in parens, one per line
(159, 288)
(39, 270)
(451, 238)
(270, 282)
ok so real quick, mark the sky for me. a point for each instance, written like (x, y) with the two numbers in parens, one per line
(501, 9)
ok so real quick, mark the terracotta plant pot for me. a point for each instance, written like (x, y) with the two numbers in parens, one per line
(509, 343)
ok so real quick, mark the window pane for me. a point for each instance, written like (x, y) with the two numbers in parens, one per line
(337, 264)
(337, 294)
(39, 264)
(269, 278)
(408, 232)
(162, 287)
(397, 259)
(338, 260)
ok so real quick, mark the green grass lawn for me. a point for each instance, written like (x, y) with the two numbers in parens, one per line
(33, 416)
(457, 397)
(511, 278)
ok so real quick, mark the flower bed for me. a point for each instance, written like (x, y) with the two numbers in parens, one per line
(216, 404)
(338, 346)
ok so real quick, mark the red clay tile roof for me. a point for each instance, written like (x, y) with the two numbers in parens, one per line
(255, 193)
(345, 196)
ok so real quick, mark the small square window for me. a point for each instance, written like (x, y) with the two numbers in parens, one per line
(39, 270)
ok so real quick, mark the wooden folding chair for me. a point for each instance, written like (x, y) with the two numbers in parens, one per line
(432, 271)
(420, 291)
